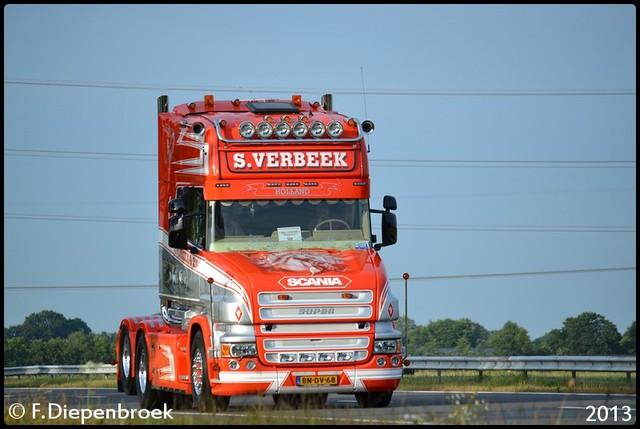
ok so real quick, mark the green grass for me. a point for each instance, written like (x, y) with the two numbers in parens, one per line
(454, 381)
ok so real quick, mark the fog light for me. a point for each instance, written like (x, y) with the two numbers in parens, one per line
(381, 361)
(345, 356)
(325, 357)
(287, 358)
(251, 365)
(395, 361)
(234, 365)
(307, 357)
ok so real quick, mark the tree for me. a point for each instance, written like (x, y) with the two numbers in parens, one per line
(511, 340)
(16, 351)
(628, 341)
(48, 324)
(590, 334)
(421, 343)
(49, 338)
(552, 343)
(411, 327)
(448, 335)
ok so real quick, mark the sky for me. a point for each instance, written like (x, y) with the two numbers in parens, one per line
(507, 134)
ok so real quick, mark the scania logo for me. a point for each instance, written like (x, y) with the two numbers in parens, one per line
(315, 281)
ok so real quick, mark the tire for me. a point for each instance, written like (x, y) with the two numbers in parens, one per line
(148, 397)
(374, 399)
(203, 400)
(127, 377)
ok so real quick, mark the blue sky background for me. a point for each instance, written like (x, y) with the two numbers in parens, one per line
(506, 133)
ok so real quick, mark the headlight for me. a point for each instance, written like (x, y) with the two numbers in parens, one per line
(317, 129)
(300, 129)
(335, 129)
(283, 129)
(239, 350)
(265, 130)
(386, 346)
(247, 130)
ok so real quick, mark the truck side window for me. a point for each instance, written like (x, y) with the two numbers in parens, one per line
(195, 219)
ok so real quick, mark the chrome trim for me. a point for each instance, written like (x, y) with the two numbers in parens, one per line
(299, 344)
(316, 312)
(325, 298)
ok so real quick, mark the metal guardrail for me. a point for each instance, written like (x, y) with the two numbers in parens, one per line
(52, 370)
(626, 364)
(526, 363)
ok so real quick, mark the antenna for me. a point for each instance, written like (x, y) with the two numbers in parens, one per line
(364, 97)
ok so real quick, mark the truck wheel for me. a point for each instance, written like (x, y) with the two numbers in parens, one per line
(127, 377)
(374, 399)
(148, 397)
(203, 400)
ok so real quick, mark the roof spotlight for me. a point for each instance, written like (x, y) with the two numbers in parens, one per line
(367, 126)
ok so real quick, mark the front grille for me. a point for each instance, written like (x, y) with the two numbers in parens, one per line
(316, 350)
(328, 305)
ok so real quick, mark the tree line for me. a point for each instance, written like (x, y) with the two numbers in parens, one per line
(49, 338)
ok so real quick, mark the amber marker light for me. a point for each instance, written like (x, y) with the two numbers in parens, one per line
(208, 101)
(283, 297)
(297, 99)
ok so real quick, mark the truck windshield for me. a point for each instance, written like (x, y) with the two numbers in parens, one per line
(288, 224)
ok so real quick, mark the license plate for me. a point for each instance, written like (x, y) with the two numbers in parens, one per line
(316, 380)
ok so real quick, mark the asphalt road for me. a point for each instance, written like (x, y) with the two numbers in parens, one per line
(498, 408)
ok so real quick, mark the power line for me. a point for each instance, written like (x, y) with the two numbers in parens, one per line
(348, 91)
(531, 273)
(519, 228)
(501, 163)
(80, 154)
(72, 218)
(79, 287)
(373, 162)
(409, 227)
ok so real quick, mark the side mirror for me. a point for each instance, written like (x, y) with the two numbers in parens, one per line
(389, 229)
(389, 222)
(389, 203)
(177, 232)
(177, 206)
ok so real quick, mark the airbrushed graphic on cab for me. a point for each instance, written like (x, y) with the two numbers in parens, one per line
(300, 260)
(311, 262)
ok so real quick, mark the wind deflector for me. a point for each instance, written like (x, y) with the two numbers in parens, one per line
(272, 107)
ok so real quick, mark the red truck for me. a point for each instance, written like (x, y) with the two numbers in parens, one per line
(270, 278)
